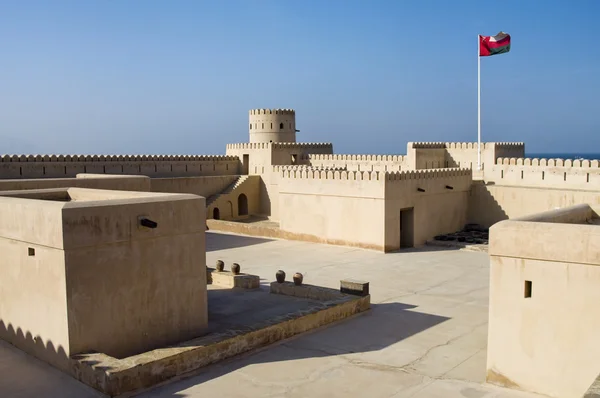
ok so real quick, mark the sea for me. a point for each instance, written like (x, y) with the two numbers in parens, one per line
(573, 156)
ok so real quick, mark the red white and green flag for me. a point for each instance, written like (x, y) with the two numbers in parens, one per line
(494, 45)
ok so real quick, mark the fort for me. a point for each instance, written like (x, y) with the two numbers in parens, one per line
(60, 212)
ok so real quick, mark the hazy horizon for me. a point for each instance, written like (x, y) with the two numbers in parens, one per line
(150, 77)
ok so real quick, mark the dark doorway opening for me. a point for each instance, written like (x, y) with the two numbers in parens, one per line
(245, 164)
(216, 213)
(242, 205)
(407, 228)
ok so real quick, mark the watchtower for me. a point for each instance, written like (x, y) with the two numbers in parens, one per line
(272, 125)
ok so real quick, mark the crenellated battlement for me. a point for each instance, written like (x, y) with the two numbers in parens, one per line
(113, 158)
(380, 158)
(254, 112)
(582, 163)
(304, 145)
(249, 145)
(310, 173)
(466, 145)
(278, 168)
(428, 174)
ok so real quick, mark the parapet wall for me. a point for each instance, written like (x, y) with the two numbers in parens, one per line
(381, 163)
(254, 112)
(550, 173)
(426, 155)
(303, 146)
(61, 166)
(548, 162)
(249, 146)
(303, 172)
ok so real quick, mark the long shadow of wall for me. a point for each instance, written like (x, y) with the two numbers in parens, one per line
(384, 325)
(35, 345)
(483, 207)
(216, 242)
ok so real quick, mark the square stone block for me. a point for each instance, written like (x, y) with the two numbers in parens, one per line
(229, 279)
(354, 287)
(83, 271)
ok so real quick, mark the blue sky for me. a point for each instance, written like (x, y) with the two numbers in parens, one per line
(179, 77)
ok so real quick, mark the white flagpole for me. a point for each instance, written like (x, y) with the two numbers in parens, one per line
(478, 107)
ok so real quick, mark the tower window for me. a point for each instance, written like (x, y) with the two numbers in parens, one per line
(263, 125)
(280, 126)
(250, 126)
(271, 125)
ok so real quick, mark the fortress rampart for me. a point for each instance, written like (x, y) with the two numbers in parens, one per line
(68, 166)
(548, 162)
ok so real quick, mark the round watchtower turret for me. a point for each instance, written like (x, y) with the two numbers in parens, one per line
(272, 125)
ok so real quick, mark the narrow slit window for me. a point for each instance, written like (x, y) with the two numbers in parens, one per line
(528, 286)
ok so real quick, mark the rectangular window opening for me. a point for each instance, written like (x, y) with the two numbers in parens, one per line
(528, 286)
(31, 251)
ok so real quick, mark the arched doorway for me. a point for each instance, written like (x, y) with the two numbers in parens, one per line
(242, 205)
(216, 213)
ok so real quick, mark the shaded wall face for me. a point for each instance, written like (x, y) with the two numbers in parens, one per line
(134, 183)
(33, 302)
(231, 207)
(542, 334)
(132, 297)
(489, 204)
(202, 186)
(89, 278)
(437, 210)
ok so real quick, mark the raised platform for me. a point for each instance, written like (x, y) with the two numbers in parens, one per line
(239, 321)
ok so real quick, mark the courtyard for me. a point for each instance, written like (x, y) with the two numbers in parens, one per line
(425, 335)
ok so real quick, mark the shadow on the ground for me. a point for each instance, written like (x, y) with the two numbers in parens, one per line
(221, 241)
(384, 325)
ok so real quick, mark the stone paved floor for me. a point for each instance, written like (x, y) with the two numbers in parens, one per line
(424, 337)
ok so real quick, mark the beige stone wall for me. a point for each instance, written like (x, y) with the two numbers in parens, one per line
(345, 208)
(64, 166)
(228, 203)
(550, 173)
(428, 155)
(425, 155)
(201, 186)
(296, 153)
(437, 210)
(363, 208)
(385, 163)
(118, 288)
(121, 183)
(546, 341)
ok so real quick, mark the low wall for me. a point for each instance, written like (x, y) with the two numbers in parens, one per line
(120, 183)
(550, 173)
(543, 304)
(201, 186)
(489, 204)
(65, 166)
(383, 163)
